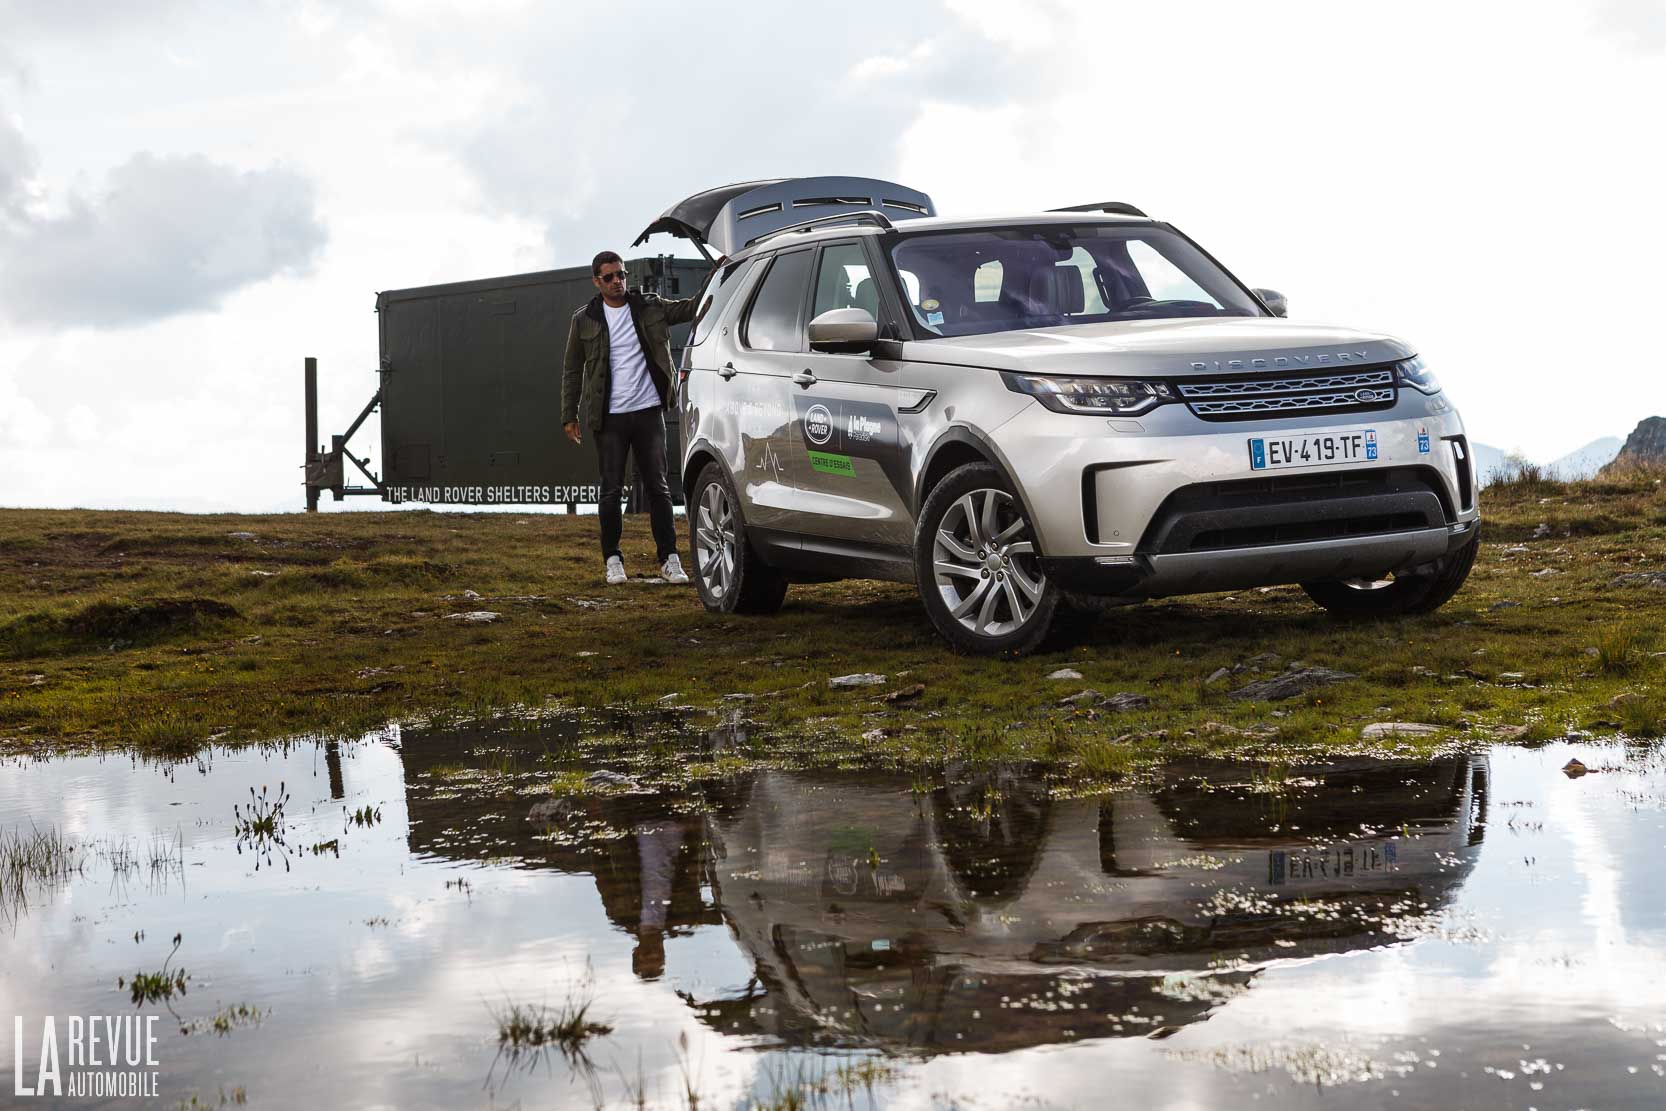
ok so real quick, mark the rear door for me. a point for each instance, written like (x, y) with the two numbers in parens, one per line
(850, 466)
(756, 366)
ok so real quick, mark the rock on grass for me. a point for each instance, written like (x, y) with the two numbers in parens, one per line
(1378, 730)
(1290, 684)
(856, 679)
(1640, 578)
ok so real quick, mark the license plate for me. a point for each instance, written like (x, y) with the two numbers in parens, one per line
(1311, 449)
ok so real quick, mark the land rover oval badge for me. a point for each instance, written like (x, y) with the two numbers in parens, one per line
(818, 425)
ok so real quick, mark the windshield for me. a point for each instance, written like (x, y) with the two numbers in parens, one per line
(966, 283)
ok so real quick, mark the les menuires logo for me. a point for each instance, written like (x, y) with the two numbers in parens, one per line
(93, 1057)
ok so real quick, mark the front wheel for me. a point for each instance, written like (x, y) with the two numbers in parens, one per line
(1422, 591)
(727, 571)
(977, 566)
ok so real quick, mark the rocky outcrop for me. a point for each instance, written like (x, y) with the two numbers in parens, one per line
(1645, 447)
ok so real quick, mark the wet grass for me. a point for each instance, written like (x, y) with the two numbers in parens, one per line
(34, 860)
(237, 1097)
(1621, 649)
(331, 625)
(112, 625)
(39, 856)
(528, 1032)
(160, 986)
(222, 1022)
(522, 1026)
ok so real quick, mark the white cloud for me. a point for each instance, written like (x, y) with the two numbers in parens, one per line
(17, 163)
(1638, 24)
(168, 235)
(1422, 173)
(1480, 184)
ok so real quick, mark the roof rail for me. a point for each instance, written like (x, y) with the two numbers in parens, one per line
(1115, 208)
(865, 216)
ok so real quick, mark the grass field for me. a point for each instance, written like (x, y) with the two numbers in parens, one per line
(163, 632)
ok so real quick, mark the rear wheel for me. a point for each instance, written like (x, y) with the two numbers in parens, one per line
(1422, 591)
(977, 565)
(727, 571)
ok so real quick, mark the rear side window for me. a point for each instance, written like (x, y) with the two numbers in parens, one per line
(719, 292)
(986, 281)
(772, 325)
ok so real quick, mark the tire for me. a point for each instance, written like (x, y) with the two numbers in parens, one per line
(1424, 592)
(959, 588)
(728, 572)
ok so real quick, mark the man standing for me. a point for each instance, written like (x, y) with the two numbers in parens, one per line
(619, 361)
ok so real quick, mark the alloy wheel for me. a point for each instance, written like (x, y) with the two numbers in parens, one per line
(984, 563)
(714, 548)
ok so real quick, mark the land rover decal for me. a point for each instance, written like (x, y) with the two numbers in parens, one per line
(838, 433)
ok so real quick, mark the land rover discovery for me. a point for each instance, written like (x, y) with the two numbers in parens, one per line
(1067, 409)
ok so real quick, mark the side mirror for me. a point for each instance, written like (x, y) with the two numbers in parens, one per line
(847, 331)
(1275, 301)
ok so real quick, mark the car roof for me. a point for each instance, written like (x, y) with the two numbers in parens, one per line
(790, 238)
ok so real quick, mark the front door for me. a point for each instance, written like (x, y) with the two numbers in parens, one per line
(850, 465)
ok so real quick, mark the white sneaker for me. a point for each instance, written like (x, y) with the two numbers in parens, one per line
(672, 569)
(615, 570)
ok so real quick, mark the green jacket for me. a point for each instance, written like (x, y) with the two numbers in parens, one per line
(586, 372)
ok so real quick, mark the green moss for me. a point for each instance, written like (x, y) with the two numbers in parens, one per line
(349, 629)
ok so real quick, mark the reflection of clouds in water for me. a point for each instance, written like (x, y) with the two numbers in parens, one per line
(236, 937)
(358, 1005)
(371, 958)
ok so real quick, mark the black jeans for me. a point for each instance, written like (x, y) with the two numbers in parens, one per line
(642, 434)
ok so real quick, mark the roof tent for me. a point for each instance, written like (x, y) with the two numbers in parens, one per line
(731, 216)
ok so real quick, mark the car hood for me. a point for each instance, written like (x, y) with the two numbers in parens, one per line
(1166, 348)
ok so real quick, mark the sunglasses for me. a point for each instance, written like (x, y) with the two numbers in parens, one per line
(616, 276)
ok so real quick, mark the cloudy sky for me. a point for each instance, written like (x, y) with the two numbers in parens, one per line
(194, 196)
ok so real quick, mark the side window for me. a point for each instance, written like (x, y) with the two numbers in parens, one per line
(772, 324)
(911, 286)
(719, 292)
(986, 281)
(1165, 280)
(1084, 264)
(843, 281)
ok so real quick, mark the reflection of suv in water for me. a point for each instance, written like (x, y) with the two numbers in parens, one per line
(1034, 411)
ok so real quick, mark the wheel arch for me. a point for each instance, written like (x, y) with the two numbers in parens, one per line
(956, 447)
(698, 456)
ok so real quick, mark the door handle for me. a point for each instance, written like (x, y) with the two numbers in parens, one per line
(804, 378)
(728, 371)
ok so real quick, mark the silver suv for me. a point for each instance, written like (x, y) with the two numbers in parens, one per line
(1067, 409)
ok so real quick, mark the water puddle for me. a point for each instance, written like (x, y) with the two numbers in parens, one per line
(358, 922)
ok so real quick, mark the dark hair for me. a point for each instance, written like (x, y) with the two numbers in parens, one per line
(601, 260)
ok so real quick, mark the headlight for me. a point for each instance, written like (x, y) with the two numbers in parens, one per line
(1413, 373)
(1096, 396)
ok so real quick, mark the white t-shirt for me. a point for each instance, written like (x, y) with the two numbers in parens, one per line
(633, 389)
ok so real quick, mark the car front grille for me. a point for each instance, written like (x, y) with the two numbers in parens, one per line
(1256, 396)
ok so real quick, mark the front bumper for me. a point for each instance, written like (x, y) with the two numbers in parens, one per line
(1156, 576)
(1167, 503)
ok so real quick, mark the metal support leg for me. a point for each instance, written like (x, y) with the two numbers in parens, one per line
(311, 456)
